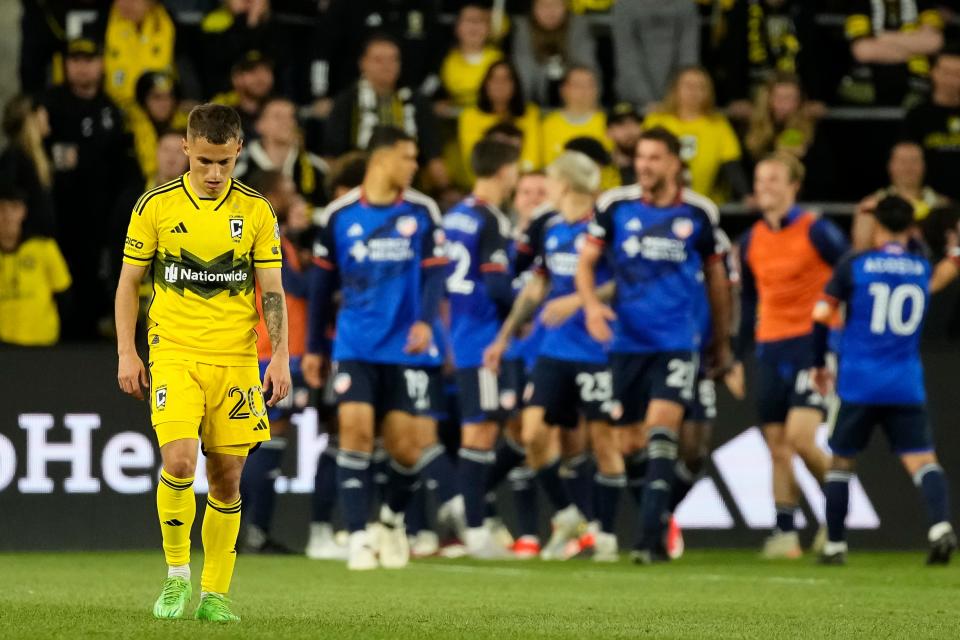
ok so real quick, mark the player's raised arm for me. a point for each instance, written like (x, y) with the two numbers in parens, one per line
(277, 376)
(131, 374)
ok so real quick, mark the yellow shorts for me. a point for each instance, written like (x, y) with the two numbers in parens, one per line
(222, 405)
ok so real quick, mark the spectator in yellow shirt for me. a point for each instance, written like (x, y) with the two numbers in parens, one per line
(710, 148)
(139, 37)
(32, 272)
(501, 100)
(467, 63)
(579, 117)
(156, 110)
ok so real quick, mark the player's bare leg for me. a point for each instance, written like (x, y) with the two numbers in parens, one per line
(783, 542)
(663, 420)
(176, 508)
(354, 483)
(401, 441)
(221, 525)
(610, 482)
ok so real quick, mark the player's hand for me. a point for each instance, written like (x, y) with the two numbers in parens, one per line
(311, 364)
(276, 379)
(599, 317)
(493, 355)
(419, 338)
(559, 310)
(721, 359)
(736, 381)
(822, 379)
(132, 375)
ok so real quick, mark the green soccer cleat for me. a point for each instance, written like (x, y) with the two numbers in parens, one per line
(173, 599)
(215, 608)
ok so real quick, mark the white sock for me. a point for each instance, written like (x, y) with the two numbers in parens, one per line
(179, 571)
(204, 594)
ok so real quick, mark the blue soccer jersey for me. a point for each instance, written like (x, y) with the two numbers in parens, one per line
(557, 255)
(886, 292)
(478, 238)
(380, 254)
(657, 255)
(522, 257)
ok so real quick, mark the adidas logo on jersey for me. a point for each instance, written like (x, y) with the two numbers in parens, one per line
(180, 228)
(634, 225)
(355, 230)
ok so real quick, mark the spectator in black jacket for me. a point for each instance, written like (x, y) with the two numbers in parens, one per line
(25, 164)
(374, 100)
(93, 161)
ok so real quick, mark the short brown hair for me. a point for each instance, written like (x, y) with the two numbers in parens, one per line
(215, 123)
(795, 168)
(663, 136)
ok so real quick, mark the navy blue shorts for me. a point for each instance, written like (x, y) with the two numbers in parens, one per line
(480, 395)
(567, 390)
(782, 386)
(298, 398)
(438, 395)
(703, 407)
(513, 379)
(906, 427)
(639, 378)
(385, 387)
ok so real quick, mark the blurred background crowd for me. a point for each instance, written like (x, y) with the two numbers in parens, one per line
(865, 92)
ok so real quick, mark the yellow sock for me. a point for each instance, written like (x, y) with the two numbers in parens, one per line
(177, 507)
(221, 524)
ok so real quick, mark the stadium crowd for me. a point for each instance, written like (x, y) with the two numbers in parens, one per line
(562, 90)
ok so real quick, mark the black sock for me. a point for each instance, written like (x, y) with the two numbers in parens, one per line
(526, 504)
(837, 490)
(662, 451)
(549, 478)
(324, 487)
(608, 489)
(577, 474)
(636, 466)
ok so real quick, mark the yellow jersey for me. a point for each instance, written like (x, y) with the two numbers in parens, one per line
(129, 51)
(474, 123)
(461, 76)
(29, 277)
(706, 144)
(558, 130)
(204, 252)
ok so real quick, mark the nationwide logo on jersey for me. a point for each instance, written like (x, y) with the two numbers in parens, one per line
(406, 226)
(276, 230)
(202, 277)
(236, 229)
(355, 230)
(682, 228)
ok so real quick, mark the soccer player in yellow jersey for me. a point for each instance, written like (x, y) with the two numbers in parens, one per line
(207, 237)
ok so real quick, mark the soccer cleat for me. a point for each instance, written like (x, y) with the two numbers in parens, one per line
(648, 557)
(361, 554)
(674, 541)
(526, 547)
(215, 608)
(819, 540)
(392, 545)
(452, 518)
(567, 524)
(583, 546)
(481, 545)
(499, 532)
(425, 544)
(322, 544)
(832, 553)
(782, 546)
(453, 549)
(942, 544)
(605, 547)
(173, 599)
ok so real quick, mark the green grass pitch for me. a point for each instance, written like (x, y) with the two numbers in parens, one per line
(707, 594)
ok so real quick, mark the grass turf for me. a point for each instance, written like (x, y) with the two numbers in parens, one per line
(707, 594)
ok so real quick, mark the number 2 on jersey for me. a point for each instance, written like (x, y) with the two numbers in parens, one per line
(457, 281)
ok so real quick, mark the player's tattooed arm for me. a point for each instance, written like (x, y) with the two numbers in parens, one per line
(524, 308)
(273, 312)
